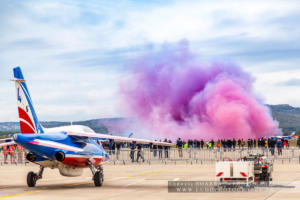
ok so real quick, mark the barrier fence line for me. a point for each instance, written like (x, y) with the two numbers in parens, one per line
(193, 155)
(199, 155)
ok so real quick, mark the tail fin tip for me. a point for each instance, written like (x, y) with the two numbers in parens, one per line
(18, 73)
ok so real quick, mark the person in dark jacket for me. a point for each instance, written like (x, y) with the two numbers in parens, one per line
(279, 147)
(166, 148)
(154, 150)
(272, 146)
(132, 150)
(233, 144)
(118, 145)
(179, 146)
(160, 151)
(139, 153)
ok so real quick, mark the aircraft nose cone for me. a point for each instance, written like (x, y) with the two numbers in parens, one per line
(15, 137)
(21, 139)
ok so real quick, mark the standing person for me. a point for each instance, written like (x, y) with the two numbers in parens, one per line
(202, 143)
(20, 154)
(209, 144)
(266, 144)
(243, 143)
(190, 143)
(279, 147)
(110, 146)
(284, 144)
(166, 148)
(118, 149)
(179, 146)
(12, 154)
(248, 143)
(265, 147)
(298, 141)
(132, 150)
(154, 150)
(229, 144)
(272, 146)
(185, 145)
(260, 143)
(239, 143)
(5, 151)
(139, 153)
(219, 145)
(159, 151)
(212, 143)
(233, 144)
(223, 144)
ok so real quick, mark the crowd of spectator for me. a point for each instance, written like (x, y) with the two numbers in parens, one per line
(233, 144)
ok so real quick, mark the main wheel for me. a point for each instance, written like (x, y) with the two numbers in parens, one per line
(31, 179)
(98, 179)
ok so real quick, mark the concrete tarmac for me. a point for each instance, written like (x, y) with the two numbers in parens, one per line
(137, 181)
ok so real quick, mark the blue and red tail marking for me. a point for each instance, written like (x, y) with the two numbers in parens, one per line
(293, 134)
(29, 123)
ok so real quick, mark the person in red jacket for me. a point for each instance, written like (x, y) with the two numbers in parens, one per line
(12, 154)
(284, 144)
(20, 153)
(5, 150)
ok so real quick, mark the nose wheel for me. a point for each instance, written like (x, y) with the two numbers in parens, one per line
(98, 176)
(98, 179)
(33, 177)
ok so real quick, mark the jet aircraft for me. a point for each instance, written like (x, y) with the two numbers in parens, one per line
(291, 136)
(68, 148)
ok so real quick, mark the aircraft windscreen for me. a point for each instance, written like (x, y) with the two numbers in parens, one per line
(87, 129)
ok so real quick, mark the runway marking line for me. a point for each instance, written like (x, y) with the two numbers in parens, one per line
(23, 193)
(147, 173)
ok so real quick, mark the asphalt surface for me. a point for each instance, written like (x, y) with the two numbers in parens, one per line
(137, 181)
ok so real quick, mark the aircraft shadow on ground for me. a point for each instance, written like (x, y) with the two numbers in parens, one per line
(82, 185)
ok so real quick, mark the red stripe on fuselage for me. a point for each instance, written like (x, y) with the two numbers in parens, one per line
(25, 128)
(25, 116)
(80, 162)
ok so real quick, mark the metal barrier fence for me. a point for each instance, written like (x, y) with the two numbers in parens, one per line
(195, 155)
(199, 155)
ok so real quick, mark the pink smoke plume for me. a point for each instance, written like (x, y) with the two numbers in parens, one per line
(174, 95)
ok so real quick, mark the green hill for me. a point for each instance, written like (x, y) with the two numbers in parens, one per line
(287, 116)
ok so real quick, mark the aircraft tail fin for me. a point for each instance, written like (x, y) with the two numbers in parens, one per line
(29, 123)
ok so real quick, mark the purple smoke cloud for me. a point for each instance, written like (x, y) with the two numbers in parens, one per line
(174, 95)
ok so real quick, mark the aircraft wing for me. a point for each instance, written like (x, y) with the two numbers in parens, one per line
(57, 145)
(117, 138)
(7, 143)
(6, 140)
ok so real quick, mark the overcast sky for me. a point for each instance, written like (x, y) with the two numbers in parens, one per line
(73, 53)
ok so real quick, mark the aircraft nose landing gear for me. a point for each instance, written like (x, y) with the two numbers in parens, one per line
(33, 177)
(98, 176)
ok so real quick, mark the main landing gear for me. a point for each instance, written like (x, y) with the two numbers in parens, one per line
(98, 176)
(33, 177)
